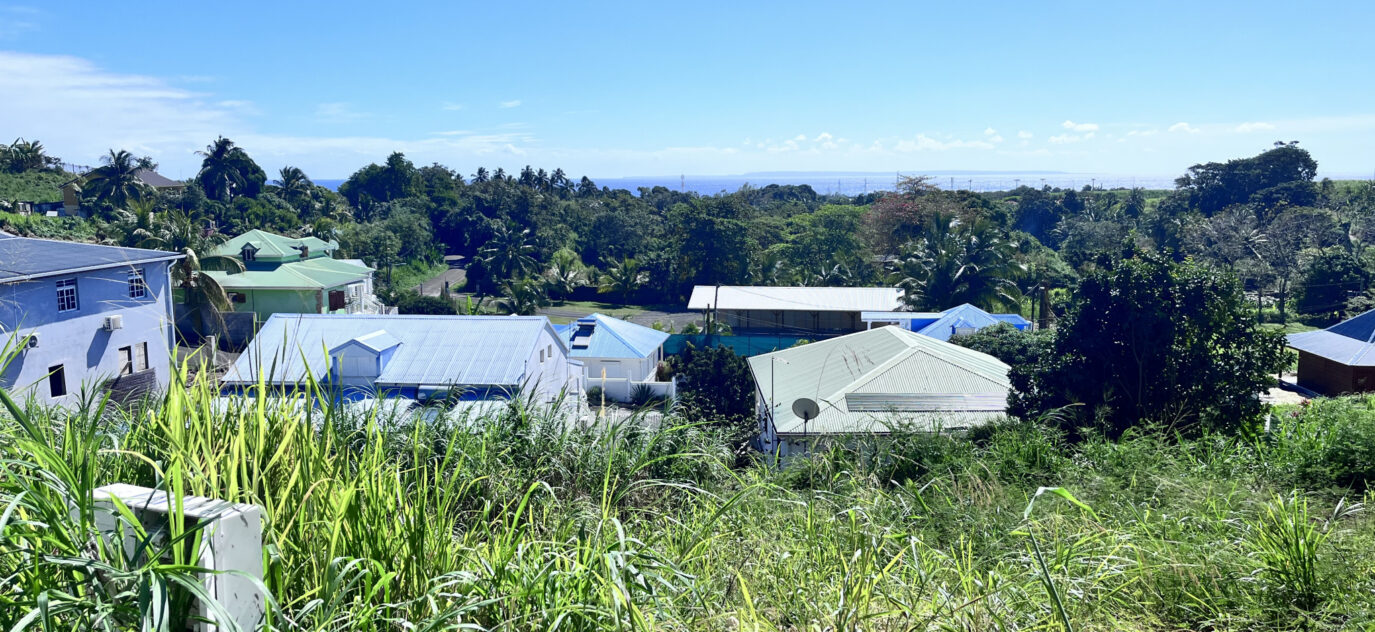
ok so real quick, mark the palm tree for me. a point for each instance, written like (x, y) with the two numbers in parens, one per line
(219, 174)
(24, 155)
(563, 277)
(523, 297)
(958, 263)
(508, 254)
(116, 181)
(622, 278)
(179, 232)
(294, 184)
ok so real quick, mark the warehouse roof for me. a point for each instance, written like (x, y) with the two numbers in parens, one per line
(1350, 342)
(23, 258)
(809, 299)
(865, 380)
(436, 351)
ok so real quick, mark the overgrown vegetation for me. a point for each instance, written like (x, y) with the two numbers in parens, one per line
(519, 521)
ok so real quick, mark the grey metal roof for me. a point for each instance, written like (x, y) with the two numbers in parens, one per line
(23, 258)
(808, 299)
(431, 351)
(868, 381)
(1350, 342)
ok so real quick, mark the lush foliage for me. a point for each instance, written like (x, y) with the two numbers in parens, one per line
(517, 521)
(1147, 340)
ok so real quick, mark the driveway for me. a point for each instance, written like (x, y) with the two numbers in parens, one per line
(433, 286)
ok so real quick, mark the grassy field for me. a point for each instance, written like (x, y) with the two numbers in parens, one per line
(518, 522)
(412, 274)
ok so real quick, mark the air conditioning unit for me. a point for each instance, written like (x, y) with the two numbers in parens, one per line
(114, 322)
(230, 539)
(33, 340)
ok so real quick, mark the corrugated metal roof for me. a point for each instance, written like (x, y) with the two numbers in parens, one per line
(943, 325)
(433, 350)
(1350, 342)
(273, 245)
(26, 258)
(928, 381)
(612, 338)
(810, 299)
(309, 274)
(378, 341)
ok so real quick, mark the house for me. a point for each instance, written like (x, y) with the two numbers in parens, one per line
(802, 310)
(294, 276)
(870, 382)
(1339, 359)
(79, 317)
(420, 357)
(71, 190)
(617, 356)
(956, 321)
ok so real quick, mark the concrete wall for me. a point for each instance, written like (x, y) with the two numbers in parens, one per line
(621, 374)
(76, 339)
(265, 303)
(1333, 378)
(549, 371)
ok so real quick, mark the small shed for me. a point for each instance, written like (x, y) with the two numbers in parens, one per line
(617, 355)
(1339, 359)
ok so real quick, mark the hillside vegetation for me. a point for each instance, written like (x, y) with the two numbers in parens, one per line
(516, 522)
(32, 186)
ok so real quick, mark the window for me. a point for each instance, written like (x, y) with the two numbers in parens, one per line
(66, 295)
(138, 287)
(541, 355)
(57, 381)
(141, 357)
(249, 254)
(126, 360)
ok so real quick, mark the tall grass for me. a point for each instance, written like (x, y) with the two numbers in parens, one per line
(519, 520)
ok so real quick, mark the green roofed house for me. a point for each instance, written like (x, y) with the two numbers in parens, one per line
(284, 275)
(870, 383)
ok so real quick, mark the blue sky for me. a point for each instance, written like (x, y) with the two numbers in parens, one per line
(699, 88)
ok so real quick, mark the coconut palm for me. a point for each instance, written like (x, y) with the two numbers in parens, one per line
(116, 181)
(622, 278)
(523, 297)
(508, 254)
(294, 184)
(219, 174)
(24, 155)
(955, 263)
(179, 232)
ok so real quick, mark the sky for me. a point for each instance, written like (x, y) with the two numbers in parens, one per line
(700, 88)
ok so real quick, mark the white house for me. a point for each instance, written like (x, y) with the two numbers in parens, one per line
(871, 382)
(801, 310)
(419, 357)
(617, 355)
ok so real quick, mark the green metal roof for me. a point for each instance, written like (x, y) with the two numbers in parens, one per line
(272, 246)
(870, 380)
(311, 274)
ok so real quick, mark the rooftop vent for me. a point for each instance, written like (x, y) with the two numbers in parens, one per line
(582, 336)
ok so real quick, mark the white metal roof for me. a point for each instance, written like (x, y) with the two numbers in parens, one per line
(806, 299)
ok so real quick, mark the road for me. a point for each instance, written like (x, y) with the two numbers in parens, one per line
(433, 286)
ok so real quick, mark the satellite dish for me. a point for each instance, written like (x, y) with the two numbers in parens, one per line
(806, 408)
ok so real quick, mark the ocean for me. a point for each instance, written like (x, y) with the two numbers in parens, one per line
(860, 183)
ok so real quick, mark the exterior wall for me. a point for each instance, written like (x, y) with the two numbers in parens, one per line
(265, 303)
(789, 321)
(621, 374)
(76, 339)
(1333, 378)
(554, 373)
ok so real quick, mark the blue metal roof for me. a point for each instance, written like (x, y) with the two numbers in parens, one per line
(23, 258)
(965, 316)
(611, 338)
(430, 350)
(1348, 342)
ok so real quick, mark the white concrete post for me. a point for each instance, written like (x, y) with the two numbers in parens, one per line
(231, 539)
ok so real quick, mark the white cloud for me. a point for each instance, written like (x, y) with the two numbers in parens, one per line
(450, 106)
(15, 21)
(514, 103)
(922, 142)
(989, 131)
(800, 137)
(1143, 132)
(1079, 127)
(338, 112)
(1024, 135)
(822, 136)
(1256, 126)
(1183, 127)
